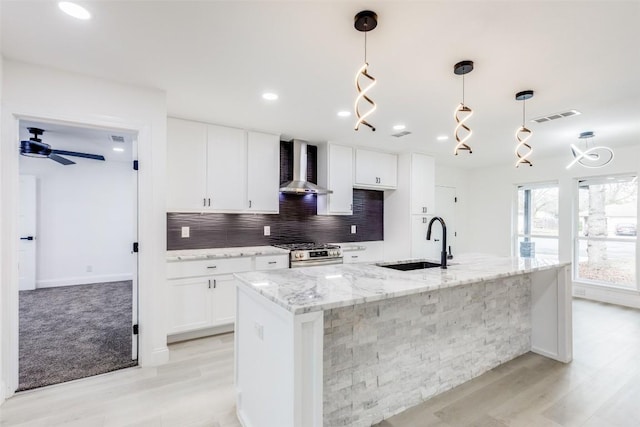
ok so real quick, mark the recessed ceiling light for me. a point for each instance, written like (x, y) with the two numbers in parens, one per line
(344, 113)
(442, 138)
(74, 10)
(399, 127)
(118, 149)
(270, 96)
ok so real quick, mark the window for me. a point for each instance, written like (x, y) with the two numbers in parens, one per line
(605, 235)
(537, 221)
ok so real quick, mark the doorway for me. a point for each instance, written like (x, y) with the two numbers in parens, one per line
(78, 270)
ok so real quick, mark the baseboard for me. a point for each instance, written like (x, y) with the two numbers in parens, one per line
(200, 333)
(159, 356)
(72, 281)
(624, 297)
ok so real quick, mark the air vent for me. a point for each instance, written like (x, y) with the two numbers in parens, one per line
(401, 134)
(117, 138)
(556, 116)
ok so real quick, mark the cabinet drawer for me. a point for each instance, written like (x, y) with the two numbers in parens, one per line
(272, 262)
(177, 269)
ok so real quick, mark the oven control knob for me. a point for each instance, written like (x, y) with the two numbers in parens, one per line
(298, 255)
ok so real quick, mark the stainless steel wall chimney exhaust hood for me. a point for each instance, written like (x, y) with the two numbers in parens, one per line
(300, 185)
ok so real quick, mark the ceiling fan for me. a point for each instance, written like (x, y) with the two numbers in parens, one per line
(34, 147)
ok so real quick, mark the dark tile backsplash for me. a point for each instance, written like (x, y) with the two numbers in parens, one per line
(297, 222)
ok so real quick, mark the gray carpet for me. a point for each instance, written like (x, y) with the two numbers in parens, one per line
(73, 332)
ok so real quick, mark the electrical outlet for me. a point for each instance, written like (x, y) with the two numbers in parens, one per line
(267, 230)
(185, 232)
(353, 229)
(259, 330)
(89, 268)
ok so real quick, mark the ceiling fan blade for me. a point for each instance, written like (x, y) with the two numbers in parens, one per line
(61, 160)
(76, 154)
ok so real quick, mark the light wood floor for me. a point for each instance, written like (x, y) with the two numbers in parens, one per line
(601, 388)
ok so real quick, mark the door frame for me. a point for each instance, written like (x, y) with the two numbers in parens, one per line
(9, 190)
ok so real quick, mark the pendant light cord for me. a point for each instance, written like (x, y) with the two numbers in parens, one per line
(463, 89)
(524, 101)
(365, 47)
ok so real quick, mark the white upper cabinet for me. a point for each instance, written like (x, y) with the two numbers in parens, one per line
(226, 168)
(263, 172)
(335, 172)
(220, 169)
(422, 184)
(376, 170)
(186, 165)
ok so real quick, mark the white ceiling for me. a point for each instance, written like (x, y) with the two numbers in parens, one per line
(214, 59)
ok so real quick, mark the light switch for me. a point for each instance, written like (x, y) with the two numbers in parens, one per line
(185, 232)
(267, 230)
(353, 229)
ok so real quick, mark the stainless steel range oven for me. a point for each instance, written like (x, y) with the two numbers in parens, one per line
(312, 254)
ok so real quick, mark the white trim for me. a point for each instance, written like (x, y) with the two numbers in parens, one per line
(607, 294)
(150, 230)
(74, 281)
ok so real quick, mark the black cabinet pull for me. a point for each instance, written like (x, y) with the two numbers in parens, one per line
(212, 266)
(273, 262)
(27, 238)
(214, 283)
(204, 202)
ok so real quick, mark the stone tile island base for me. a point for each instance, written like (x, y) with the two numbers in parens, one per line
(355, 344)
(383, 357)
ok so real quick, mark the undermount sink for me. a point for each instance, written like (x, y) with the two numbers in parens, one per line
(408, 266)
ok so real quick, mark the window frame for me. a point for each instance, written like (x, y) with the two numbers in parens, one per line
(515, 234)
(577, 238)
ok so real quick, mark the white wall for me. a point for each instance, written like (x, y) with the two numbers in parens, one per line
(85, 218)
(491, 194)
(3, 320)
(42, 94)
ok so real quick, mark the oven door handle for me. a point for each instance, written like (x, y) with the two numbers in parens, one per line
(313, 263)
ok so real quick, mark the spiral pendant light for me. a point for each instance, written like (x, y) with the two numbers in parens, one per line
(365, 21)
(523, 149)
(591, 157)
(462, 132)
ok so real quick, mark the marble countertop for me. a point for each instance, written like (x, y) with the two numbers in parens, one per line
(302, 290)
(192, 254)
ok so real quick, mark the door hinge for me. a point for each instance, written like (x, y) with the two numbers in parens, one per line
(135, 329)
(135, 165)
(455, 200)
(135, 246)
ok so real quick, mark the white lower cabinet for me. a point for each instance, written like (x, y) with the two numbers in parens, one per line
(190, 306)
(224, 299)
(202, 293)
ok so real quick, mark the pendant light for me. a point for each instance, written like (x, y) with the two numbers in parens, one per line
(594, 157)
(523, 149)
(463, 112)
(365, 21)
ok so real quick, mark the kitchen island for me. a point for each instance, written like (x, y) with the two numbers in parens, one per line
(355, 344)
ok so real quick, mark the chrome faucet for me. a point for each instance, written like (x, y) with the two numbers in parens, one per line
(443, 254)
